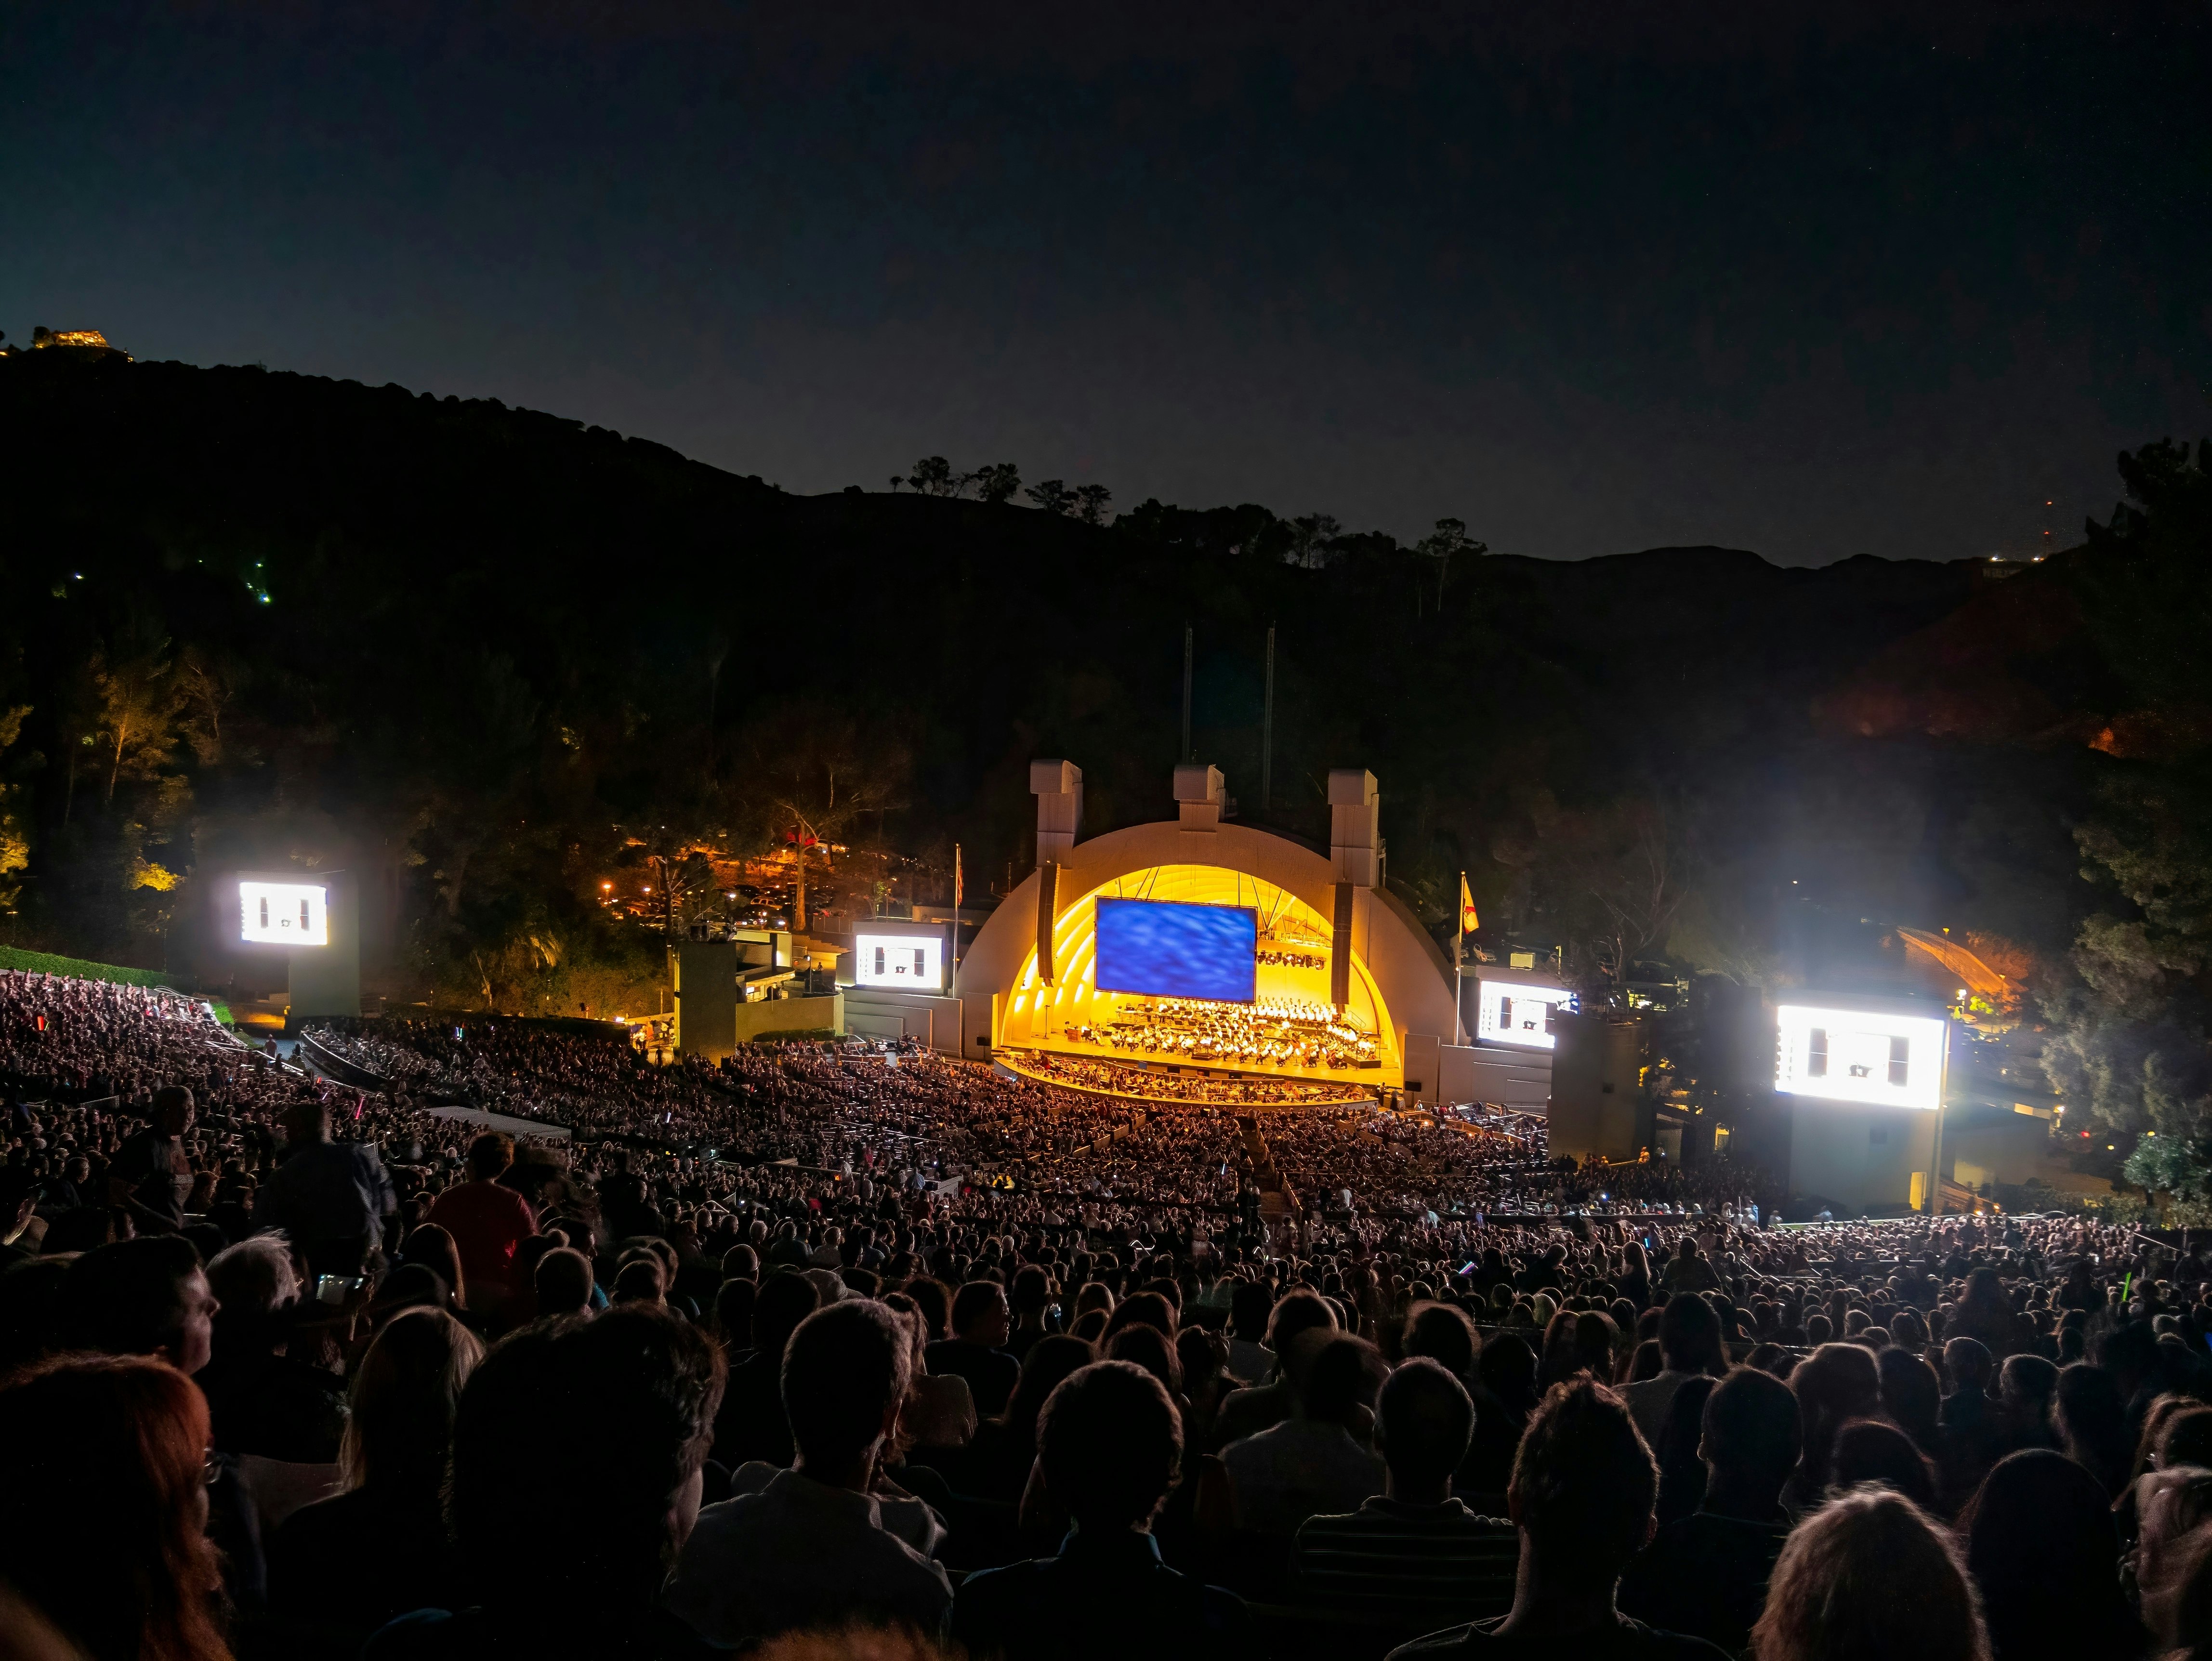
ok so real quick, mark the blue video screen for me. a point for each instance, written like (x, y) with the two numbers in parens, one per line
(1168, 951)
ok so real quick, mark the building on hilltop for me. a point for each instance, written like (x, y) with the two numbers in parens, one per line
(76, 343)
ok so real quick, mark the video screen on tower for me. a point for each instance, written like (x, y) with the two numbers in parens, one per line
(1164, 950)
(284, 913)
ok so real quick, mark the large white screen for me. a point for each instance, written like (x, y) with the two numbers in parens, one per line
(908, 960)
(282, 913)
(1855, 1056)
(1512, 1012)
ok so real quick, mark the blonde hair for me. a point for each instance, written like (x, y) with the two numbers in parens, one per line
(403, 1399)
(1870, 1574)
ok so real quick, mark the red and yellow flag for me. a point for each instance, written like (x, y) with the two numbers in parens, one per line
(1468, 922)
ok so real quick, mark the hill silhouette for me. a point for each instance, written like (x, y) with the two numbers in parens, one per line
(487, 653)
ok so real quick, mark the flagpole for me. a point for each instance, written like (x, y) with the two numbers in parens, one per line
(1459, 969)
(953, 991)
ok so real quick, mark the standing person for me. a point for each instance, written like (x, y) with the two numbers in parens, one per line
(1583, 1492)
(109, 1454)
(487, 1220)
(330, 1197)
(150, 1171)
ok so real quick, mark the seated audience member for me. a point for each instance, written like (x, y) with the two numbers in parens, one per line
(1247, 1412)
(1974, 1430)
(2090, 1416)
(810, 1549)
(330, 1198)
(1108, 1444)
(1413, 1556)
(1682, 1471)
(640, 1280)
(103, 1461)
(387, 1528)
(1582, 1496)
(487, 1220)
(1690, 1346)
(1311, 1464)
(734, 1313)
(264, 1402)
(1874, 1450)
(977, 1350)
(563, 1282)
(1870, 1575)
(565, 1539)
(752, 1425)
(1706, 1575)
(940, 1409)
(1250, 1362)
(2041, 1545)
(1834, 1385)
(143, 1296)
(1005, 1448)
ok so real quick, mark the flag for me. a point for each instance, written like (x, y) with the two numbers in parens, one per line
(1468, 922)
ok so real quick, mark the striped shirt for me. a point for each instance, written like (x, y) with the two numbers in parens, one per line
(1410, 1564)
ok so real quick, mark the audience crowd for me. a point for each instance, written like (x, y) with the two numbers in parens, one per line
(866, 1353)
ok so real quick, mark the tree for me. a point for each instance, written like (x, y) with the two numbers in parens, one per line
(1310, 536)
(1090, 502)
(996, 482)
(15, 818)
(139, 703)
(1052, 495)
(813, 778)
(1448, 539)
(933, 475)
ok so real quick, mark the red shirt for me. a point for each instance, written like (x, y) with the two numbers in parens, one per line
(487, 1223)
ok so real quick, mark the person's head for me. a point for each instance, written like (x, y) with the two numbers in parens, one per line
(1296, 1312)
(741, 1263)
(563, 1282)
(489, 1155)
(1442, 1332)
(1109, 1443)
(1249, 1306)
(784, 1300)
(1424, 1420)
(143, 1297)
(1911, 1395)
(1344, 1374)
(1836, 1383)
(432, 1248)
(403, 1399)
(1870, 1575)
(254, 1283)
(2041, 1543)
(979, 1315)
(640, 1280)
(1752, 1439)
(845, 1373)
(307, 1121)
(1583, 1489)
(647, 1385)
(1874, 1451)
(1051, 1359)
(1149, 1348)
(2026, 1383)
(2185, 1438)
(171, 1111)
(2091, 1419)
(1143, 1309)
(109, 1453)
(934, 1300)
(1032, 1292)
(1967, 1360)
(1690, 1334)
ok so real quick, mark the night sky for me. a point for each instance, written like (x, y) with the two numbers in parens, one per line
(1815, 282)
